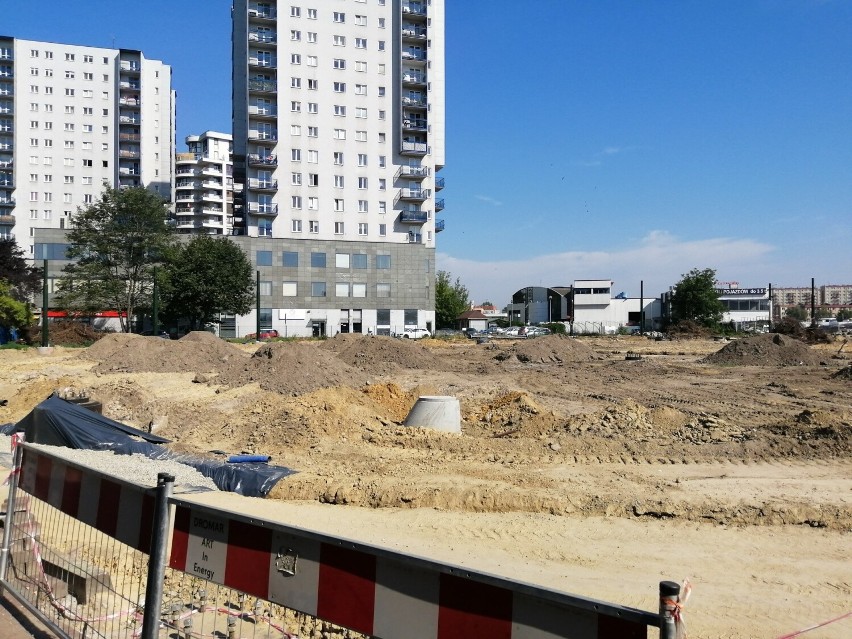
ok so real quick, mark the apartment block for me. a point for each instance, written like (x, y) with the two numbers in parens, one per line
(204, 185)
(338, 142)
(73, 118)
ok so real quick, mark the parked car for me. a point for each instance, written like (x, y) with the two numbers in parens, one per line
(415, 333)
(263, 334)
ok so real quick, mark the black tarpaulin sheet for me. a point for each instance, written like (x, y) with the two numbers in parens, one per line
(57, 422)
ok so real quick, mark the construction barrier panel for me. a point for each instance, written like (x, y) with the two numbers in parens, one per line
(76, 544)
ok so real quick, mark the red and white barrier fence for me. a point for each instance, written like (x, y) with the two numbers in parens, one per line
(379, 592)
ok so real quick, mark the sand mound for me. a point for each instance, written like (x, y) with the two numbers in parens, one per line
(548, 349)
(381, 355)
(197, 352)
(844, 373)
(765, 350)
(292, 368)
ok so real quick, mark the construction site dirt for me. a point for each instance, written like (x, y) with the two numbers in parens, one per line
(599, 466)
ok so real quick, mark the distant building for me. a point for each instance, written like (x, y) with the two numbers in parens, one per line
(473, 319)
(833, 297)
(204, 185)
(73, 118)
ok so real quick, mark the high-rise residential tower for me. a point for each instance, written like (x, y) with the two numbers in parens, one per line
(71, 119)
(204, 185)
(338, 141)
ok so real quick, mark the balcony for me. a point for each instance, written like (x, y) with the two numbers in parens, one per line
(414, 148)
(415, 124)
(187, 197)
(439, 183)
(129, 119)
(6, 110)
(129, 137)
(417, 56)
(417, 103)
(415, 238)
(130, 102)
(263, 209)
(411, 32)
(8, 220)
(130, 67)
(262, 14)
(270, 137)
(262, 111)
(439, 204)
(262, 37)
(185, 184)
(439, 226)
(213, 186)
(412, 172)
(262, 86)
(129, 84)
(128, 154)
(7, 164)
(262, 160)
(414, 79)
(6, 182)
(263, 63)
(212, 197)
(6, 128)
(262, 185)
(414, 9)
(7, 74)
(413, 195)
(122, 171)
(414, 217)
(7, 201)
(215, 171)
(7, 89)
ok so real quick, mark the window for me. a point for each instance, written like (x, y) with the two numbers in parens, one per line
(338, 158)
(383, 290)
(317, 289)
(338, 228)
(361, 21)
(296, 202)
(381, 69)
(360, 89)
(312, 37)
(264, 258)
(383, 208)
(88, 198)
(383, 230)
(33, 124)
(296, 179)
(340, 87)
(88, 59)
(313, 107)
(69, 92)
(289, 289)
(88, 76)
(383, 261)
(359, 289)
(361, 136)
(290, 259)
(341, 260)
(362, 183)
(69, 109)
(69, 179)
(265, 288)
(33, 196)
(295, 83)
(311, 61)
(87, 180)
(48, 197)
(381, 92)
(359, 261)
(360, 112)
(362, 228)
(296, 155)
(340, 134)
(341, 289)
(362, 206)
(88, 93)
(338, 205)
(317, 260)
(66, 198)
(33, 53)
(382, 161)
(69, 126)
(313, 179)
(338, 181)
(360, 43)
(313, 203)
(339, 41)
(381, 45)
(33, 177)
(382, 184)
(313, 131)
(381, 23)
(339, 63)
(88, 111)
(313, 85)
(295, 129)
(313, 156)
(87, 163)
(69, 57)
(339, 17)
(313, 226)
(296, 226)
(340, 110)
(382, 115)
(295, 106)
(295, 12)
(295, 35)
(312, 14)
(361, 66)
(295, 58)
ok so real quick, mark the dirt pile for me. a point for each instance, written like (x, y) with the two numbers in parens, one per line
(765, 350)
(379, 354)
(513, 414)
(549, 349)
(844, 373)
(292, 368)
(67, 333)
(198, 351)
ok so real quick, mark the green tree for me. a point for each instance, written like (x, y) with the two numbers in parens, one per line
(13, 313)
(451, 300)
(206, 276)
(23, 280)
(115, 243)
(695, 298)
(797, 313)
(844, 314)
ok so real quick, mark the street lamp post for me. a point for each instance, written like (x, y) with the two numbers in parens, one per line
(549, 309)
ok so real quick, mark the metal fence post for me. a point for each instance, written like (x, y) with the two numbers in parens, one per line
(669, 593)
(14, 478)
(157, 558)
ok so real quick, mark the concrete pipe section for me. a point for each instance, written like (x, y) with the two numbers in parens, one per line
(436, 412)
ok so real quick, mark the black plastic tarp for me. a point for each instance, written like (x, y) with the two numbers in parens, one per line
(57, 422)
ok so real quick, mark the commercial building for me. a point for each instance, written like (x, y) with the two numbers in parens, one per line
(204, 185)
(338, 140)
(71, 119)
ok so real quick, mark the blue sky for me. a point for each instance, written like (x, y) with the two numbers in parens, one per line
(625, 140)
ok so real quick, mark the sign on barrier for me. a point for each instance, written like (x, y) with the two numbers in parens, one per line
(379, 592)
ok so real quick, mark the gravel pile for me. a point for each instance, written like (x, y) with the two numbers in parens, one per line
(137, 469)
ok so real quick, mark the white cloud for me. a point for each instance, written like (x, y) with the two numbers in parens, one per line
(659, 259)
(488, 200)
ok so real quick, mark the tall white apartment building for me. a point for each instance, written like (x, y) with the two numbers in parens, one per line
(71, 119)
(204, 185)
(338, 141)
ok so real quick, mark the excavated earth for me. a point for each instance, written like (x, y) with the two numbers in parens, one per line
(596, 465)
